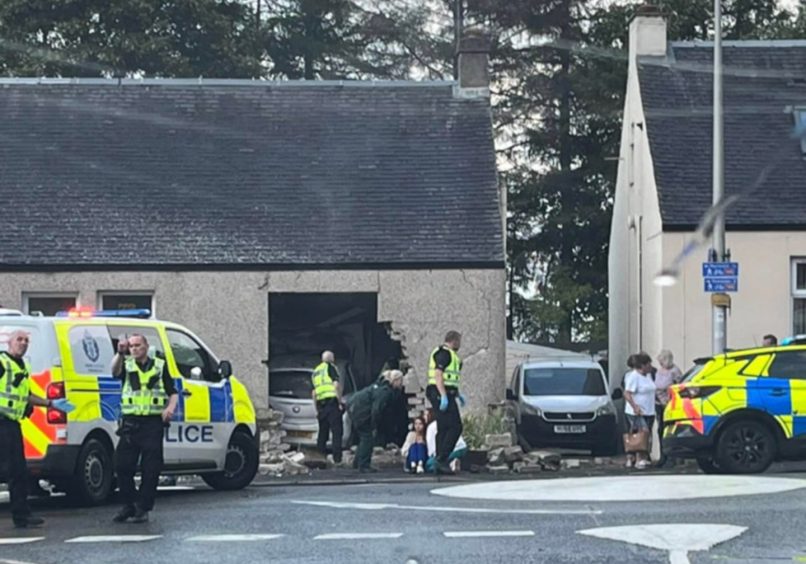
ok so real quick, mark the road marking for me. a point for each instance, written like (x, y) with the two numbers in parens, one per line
(3, 561)
(4, 497)
(234, 538)
(384, 506)
(115, 538)
(612, 488)
(175, 488)
(20, 540)
(471, 534)
(678, 538)
(357, 536)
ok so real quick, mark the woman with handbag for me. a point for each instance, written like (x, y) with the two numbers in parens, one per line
(639, 408)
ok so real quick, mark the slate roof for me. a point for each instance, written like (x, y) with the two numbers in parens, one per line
(763, 81)
(245, 174)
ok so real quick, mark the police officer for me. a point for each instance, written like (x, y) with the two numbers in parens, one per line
(148, 402)
(444, 376)
(326, 395)
(15, 399)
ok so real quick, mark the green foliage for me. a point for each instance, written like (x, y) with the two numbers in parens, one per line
(478, 424)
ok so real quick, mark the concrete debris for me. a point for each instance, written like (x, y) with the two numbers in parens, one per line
(495, 456)
(513, 454)
(275, 460)
(497, 441)
(501, 469)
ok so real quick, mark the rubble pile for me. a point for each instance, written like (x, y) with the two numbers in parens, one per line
(275, 460)
(504, 457)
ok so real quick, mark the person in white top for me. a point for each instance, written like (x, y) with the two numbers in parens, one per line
(639, 407)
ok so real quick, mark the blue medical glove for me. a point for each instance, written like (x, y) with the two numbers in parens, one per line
(461, 399)
(63, 405)
(443, 403)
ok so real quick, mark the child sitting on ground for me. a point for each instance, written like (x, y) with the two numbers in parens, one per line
(415, 448)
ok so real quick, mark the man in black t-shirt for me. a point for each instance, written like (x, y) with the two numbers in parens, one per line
(444, 377)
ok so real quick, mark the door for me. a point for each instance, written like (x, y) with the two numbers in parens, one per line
(789, 369)
(204, 425)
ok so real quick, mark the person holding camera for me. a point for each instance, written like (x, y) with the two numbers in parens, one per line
(148, 403)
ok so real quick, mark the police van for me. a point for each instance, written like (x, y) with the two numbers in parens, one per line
(213, 432)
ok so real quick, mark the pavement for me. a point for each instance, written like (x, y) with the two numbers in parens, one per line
(630, 517)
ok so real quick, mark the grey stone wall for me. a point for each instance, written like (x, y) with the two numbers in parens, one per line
(229, 311)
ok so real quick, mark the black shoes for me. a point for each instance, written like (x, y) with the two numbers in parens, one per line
(140, 516)
(124, 514)
(29, 521)
(444, 468)
(368, 470)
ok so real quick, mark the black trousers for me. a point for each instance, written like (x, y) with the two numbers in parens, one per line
(13, 451)
(659, 409)
(449, 422)
(140, 439)
(329, 416)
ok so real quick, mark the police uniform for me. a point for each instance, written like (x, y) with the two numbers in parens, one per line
(146, 391)
(14, 393)
(449, 422)
(328, 411)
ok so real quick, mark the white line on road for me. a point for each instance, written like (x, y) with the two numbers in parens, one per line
(234, 538)
(357, 536)
(115, 538)
(20, 540)
(382, 506)
(471, 534)
(3, 561)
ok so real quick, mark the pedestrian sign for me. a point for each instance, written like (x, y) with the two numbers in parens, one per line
(720, 269)
(722, 284)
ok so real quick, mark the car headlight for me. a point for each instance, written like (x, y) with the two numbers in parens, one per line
(532, 410)
(606, 409)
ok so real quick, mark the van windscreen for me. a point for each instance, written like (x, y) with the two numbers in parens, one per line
(37, 354)
(563, 381)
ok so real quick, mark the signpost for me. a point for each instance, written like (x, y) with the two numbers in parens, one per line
(720, 276)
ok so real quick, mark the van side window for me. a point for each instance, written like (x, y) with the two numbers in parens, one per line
(91, 349)
(155, 348)
(189, 354)
(790, 365)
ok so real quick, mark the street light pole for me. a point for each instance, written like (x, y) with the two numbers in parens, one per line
(718, 307)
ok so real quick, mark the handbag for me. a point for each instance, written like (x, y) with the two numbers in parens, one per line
(636, 440)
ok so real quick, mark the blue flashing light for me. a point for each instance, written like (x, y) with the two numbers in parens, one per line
(86, 313)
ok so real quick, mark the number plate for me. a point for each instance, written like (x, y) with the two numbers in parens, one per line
(570, 428)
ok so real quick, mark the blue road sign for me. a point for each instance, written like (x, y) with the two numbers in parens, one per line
(720, 269)
(724, 284)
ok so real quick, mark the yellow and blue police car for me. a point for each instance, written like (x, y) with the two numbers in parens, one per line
(213, 433)
(739, 412)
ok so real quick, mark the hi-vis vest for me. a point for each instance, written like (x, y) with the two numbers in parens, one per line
(322, 384)
(143, 392)
(452, 374)
(14, 389)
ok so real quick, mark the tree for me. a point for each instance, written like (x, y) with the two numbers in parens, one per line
(213, 38)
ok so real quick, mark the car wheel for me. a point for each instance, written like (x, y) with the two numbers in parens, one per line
(707, 465)
(240, 465)
(745, 447)
(91, 483)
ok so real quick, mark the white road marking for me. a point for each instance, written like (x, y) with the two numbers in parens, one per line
(20, 540)
(612, 488)
(175, 488)
(4, 561)
(115, 538)
(357, 536)
(677, 538)
(3, 497)
(472, 534)
(384, 506)
(234, 538)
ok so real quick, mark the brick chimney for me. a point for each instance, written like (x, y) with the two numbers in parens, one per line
(647, 33)
(473, 60)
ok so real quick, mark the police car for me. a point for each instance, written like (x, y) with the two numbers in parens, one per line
(213, 432)
(739, 412)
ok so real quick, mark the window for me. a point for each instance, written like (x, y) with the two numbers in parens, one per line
(47, 304)
(155, 348)
(790, 365)
(800, 122)
(290, 383)
(126, 300)
(563, 382)
(189, 354)
(799, 296)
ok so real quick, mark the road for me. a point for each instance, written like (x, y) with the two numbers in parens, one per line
(594, 519)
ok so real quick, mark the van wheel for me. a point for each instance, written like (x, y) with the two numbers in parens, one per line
(92, 480)
(240, 465)
(745, 447)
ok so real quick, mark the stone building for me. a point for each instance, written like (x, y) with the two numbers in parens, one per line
(271, 218)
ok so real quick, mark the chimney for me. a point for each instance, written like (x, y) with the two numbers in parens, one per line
(473, 60)
(647, 33)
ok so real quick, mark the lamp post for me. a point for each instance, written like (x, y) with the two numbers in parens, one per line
(718, 307)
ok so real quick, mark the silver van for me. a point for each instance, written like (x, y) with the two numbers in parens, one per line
(565, 404)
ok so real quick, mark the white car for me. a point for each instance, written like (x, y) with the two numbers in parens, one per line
(290, 393)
